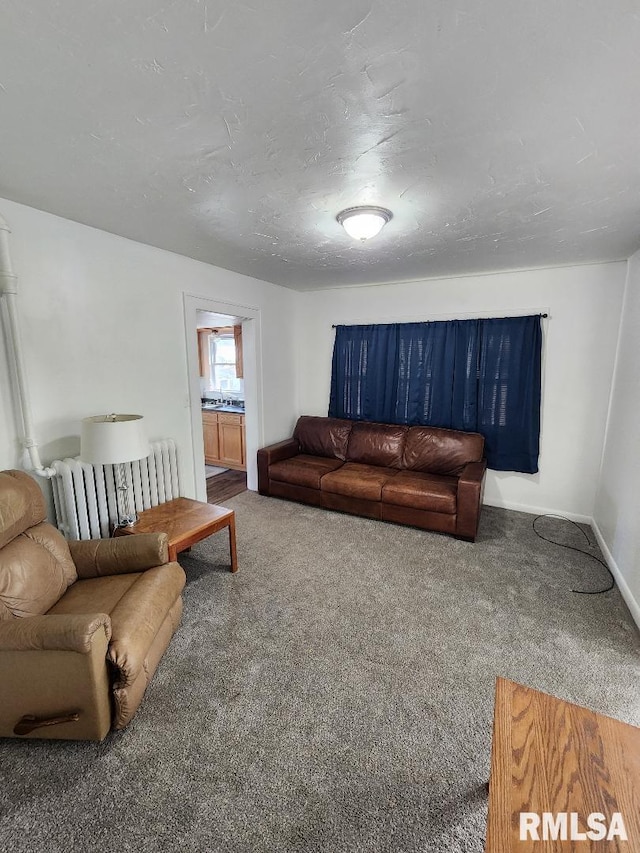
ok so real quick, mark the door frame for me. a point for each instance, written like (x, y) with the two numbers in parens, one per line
(252, 369)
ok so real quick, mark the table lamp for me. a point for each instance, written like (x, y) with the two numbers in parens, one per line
(115, 440)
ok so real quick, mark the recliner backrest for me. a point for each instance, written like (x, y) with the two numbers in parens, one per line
(21, 504)
(36, 568)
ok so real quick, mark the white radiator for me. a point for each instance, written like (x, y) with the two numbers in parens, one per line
(84, 495)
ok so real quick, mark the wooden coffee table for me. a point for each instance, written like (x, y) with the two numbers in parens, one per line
(551, 756)
(186, 522)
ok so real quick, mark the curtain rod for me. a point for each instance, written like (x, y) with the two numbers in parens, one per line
(334, 326)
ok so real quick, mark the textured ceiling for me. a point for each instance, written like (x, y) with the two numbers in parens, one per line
(502, 135)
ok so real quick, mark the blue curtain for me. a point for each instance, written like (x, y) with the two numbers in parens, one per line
(475, 375)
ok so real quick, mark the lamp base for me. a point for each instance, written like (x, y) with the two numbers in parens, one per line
(127, 515)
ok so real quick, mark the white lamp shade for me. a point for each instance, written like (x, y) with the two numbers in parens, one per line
(110, 439)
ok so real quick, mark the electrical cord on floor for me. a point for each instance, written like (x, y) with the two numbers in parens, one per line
(573, 548)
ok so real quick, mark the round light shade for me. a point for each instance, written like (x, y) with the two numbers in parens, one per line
(110, 439)
(363, 223)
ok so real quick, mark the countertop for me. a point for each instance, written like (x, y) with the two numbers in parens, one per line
(222, 407)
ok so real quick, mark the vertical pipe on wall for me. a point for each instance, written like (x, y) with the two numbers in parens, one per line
(9, 290)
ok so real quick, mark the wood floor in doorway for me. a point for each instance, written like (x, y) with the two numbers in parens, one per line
(224, 486)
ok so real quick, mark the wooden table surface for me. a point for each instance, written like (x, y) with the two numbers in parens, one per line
(551, 756)
(186, 522)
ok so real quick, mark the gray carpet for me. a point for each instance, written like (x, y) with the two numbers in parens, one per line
(335, 695)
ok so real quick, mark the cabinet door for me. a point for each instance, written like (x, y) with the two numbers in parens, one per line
(231, 440)
(211, 443)
(203, 354)
(237, 337)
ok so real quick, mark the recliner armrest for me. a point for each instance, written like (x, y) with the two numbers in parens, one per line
(139, 615)
(54, 676)
(99, 557)
(57, 632)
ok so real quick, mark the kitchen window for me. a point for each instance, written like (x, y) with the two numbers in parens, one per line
(222, 360)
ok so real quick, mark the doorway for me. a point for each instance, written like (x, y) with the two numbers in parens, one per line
(224, 383)
(220, 361)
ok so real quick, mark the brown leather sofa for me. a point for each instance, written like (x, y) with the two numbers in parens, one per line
(83, 625)
(422, 476)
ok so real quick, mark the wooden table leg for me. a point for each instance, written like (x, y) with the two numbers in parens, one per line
(232, 543)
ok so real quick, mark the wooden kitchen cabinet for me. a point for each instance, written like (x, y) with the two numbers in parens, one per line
(231, 439)
(224, 440)
(211, 442)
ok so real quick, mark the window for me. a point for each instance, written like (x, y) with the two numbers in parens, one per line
(222, 359)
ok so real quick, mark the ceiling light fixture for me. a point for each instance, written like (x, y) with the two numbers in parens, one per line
(363, 223)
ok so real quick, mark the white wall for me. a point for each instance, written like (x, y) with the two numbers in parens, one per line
(617, 509)
(102, 321)
(103, 328)
(584, 304)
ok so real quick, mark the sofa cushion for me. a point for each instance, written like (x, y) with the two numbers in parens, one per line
(35, 571)
(303, 470)
(377, 444)
(435, 493)
(358, 481)
(323, 436)
(441, 451)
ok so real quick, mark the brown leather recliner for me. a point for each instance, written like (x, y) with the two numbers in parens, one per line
(83, 624)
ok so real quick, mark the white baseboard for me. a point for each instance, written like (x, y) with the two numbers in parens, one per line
(623, 586)
(538, 510)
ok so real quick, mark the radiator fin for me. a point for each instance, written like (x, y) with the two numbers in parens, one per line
(85, 496)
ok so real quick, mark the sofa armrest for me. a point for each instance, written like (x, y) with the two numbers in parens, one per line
(95, 558)
(473, 472)
(470, 490)
(282, 450)
(274, 453)
(57, 632)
